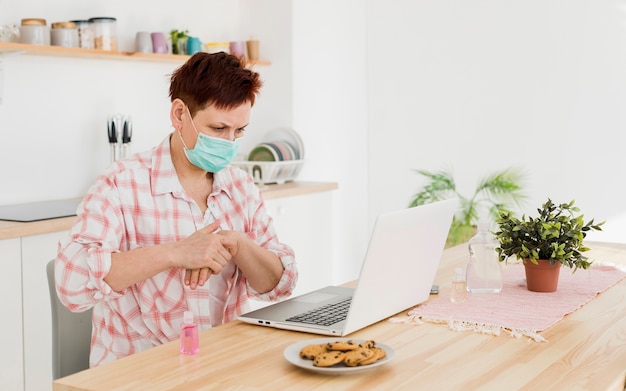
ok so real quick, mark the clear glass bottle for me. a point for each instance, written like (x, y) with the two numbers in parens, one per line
(189, 343)
(483, 272)
(458, 294)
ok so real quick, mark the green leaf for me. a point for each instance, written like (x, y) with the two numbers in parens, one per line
(557, 234)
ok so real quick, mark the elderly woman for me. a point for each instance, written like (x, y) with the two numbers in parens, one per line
(176, 228)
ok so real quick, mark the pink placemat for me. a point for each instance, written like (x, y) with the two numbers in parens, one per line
(516, 310)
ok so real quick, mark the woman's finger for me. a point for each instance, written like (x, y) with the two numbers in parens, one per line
(204, 275)
(193, 279)
(187, 277)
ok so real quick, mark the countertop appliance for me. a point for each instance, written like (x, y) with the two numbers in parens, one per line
(43, 210)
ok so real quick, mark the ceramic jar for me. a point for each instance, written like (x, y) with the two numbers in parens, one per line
(64, 34)
(34, 31)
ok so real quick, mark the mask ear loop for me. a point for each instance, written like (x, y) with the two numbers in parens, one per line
(182, 140)
(192, 124)
(191, 119)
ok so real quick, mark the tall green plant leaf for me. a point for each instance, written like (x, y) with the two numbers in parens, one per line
(495, 192)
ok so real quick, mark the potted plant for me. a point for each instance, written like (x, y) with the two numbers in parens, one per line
(179, 41)
(497, 191)
(552, 239)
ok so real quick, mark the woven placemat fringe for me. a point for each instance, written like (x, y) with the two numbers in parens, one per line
(457, 325)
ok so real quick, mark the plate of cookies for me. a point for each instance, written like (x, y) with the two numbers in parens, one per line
(338, 355)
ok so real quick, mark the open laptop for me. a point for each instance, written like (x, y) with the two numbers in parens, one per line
(398, 271)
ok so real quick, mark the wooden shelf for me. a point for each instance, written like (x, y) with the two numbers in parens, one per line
(58, 51)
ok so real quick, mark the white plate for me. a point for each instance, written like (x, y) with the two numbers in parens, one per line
(292, 354)
(290, 136)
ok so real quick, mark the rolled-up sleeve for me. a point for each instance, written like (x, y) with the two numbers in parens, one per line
(283, 288)
(84, 257)
(262, 231)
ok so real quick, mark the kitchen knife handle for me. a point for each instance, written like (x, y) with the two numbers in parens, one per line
(127, 133)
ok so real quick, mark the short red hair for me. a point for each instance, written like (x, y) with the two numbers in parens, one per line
(218, 79)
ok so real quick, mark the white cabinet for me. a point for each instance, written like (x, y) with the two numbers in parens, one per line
(37, 250)
(11, 359)
(305, 223)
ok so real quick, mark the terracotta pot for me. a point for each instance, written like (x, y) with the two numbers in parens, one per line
(543, 277)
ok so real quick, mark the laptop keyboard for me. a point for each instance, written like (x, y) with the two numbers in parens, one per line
(324, 315)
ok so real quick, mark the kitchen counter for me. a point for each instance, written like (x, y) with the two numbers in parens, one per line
(12, 229)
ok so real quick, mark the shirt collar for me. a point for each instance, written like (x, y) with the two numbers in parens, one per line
(163, 175)
(222, 182)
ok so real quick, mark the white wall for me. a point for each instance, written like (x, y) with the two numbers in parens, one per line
(478, 86)
(330, 110)
(274, 106)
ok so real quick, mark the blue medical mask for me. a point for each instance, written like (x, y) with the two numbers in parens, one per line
(212, 154)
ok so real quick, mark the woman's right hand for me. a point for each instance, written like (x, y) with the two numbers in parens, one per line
(204, 253)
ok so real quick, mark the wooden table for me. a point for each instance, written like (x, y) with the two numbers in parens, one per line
(585, 351)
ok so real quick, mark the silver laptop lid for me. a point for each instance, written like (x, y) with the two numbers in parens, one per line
(398, 270)
(401, 262)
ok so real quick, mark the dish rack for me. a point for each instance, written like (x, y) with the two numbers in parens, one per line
(271, 172)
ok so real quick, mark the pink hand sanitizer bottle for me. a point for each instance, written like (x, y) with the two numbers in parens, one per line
(189, 343)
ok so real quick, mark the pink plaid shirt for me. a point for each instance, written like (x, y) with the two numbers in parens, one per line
(139, 202)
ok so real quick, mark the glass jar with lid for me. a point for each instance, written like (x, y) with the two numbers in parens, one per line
(105, 33)
(85, 34)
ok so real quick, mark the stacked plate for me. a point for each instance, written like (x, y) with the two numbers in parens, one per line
(281, 145)
(277, 159)
(276, 151)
